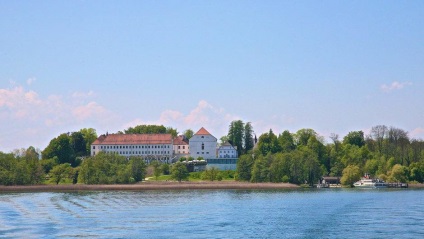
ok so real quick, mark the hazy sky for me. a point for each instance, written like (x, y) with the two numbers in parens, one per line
(333, 66)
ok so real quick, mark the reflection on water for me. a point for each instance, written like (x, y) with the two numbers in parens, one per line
(338, 213)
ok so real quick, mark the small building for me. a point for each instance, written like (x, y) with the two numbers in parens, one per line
(181, 147)
(203, 144)
(149, 146)
(227, 151)
(327, 181)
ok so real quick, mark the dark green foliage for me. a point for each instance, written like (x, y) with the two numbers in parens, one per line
(89, 135)
(268, 143)
(61, 148)
(78, 144)
(179, 172)
(211, 174)
(188, 133)
(248, 137)
(165, 169)
(111, 168)
(21, 170)
(61, 172)
(286, 142)
(355, 138)
(151, 129)
(157, 171)
(240, 135)
(244, 167)
(236, 135)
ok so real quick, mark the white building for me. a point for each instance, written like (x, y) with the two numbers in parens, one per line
(227, 151)
(203, 144)
(149, 146)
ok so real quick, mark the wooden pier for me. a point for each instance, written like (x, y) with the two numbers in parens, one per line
(397, 185)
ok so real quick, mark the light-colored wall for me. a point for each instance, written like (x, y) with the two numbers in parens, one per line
(227, 152)
(209, 150)
(160, 150)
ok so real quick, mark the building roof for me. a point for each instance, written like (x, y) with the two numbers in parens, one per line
(181, 140)
(202, 131)
(112, 139)
(226, 144)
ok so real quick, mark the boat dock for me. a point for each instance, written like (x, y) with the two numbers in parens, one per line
(397, 185)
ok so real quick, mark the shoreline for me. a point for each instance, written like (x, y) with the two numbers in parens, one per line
(148, 186)
(160, 185)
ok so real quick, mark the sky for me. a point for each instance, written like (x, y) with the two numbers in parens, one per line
(333, 66)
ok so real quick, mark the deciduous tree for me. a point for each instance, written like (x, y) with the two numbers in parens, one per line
(179, 172)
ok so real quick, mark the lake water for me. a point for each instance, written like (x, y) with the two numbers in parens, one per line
(334, 213)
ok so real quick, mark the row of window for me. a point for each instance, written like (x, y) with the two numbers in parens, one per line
(139, 152)
(133, 146)
(229, 151)
(179, 147)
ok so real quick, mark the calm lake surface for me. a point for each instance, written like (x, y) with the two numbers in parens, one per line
(334, 213)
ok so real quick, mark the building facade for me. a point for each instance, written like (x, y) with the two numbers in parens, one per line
(149, 146)
(227, 151)
(181, 147)
(203, 144)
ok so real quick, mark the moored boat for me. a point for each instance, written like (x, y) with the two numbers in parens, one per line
(367, 182)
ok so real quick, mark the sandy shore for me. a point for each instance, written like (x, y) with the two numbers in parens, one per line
(148, 185)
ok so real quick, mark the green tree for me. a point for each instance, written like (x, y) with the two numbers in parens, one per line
(165, 169)
(211, 174)
(61, 148)
(351, 174)
(416, 172)
(90, 136)
(355, 138)
(138, 168)
(286, 141)
(268, 143)
(78, 144)
(261, 170)
(179, 172)
(236, 135)
(156, 169)
(60, 172)
(172, 131)
(302, 136)
(248, 137)
(244, 167)
(399, 173)
(188, 133)
(7, 167)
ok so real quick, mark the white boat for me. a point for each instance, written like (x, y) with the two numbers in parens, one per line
(367, 182)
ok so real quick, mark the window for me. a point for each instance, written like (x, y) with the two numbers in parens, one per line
(203, 146)
(178, 147)
(94, 147)
(183, 147)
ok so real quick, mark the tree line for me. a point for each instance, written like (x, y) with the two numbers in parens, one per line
(303, 157)
(300, 157)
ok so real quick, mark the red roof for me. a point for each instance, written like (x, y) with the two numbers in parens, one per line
(180, 140)
(112, 139)
(202, 131)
